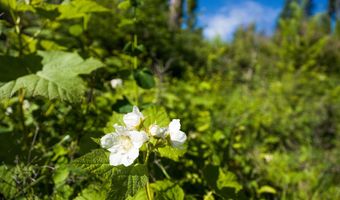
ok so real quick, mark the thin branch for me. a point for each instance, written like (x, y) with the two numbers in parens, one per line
(32, 144)
(162, 169)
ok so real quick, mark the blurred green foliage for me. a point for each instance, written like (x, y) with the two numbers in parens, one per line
(262, 114)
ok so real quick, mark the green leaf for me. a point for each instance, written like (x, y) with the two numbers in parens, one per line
(92, 192)
(122, 106)
(79, 8)
(171, 152)
(57, 80)
(7, 183)
(167, 190)
(96, 162)
(223, 182)
(116, 118)
(145, 79)
(209, 196)
(227, 179)
(124, 5)
(9, 4)
(63, 192)
(156, 115)
(75, 30)
(125, 181)
(60, 175)
(140, 195)
(267, 189)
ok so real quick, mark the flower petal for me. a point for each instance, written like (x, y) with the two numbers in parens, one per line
(118, 128)
(138, 138)
(130, 156)
(133, 119)
(174, 126)
(116, 145)
(116, 159)
(177, 138)
(157, 131)
(107, 141)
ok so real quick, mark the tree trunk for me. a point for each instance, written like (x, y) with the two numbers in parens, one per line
(175, 18)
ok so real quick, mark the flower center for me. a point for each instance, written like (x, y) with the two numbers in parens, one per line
(125, 142)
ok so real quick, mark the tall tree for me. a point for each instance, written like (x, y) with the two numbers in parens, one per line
(176, 14)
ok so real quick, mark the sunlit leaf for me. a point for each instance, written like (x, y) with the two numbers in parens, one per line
(79, 8)
(267, 189)
(167, 190)
(57, 80)
(156, 115)
(171, 152)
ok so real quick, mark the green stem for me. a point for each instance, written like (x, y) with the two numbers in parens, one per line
(148, 191)
(147, 186)
(147, 155)
(21, 110)
(163, 170)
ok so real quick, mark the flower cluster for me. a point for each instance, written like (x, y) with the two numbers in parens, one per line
(125, 142)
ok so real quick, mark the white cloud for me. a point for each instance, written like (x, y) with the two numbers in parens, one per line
(228, 18)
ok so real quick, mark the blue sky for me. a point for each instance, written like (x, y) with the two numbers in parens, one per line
(222, 17)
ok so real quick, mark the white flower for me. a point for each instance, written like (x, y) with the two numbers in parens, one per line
(9, 110)
(177, 137)
(133, 119)
(26, 104)
(157, 131)
(124, 145)
(117, 82)
(268, 157)
(106, 141)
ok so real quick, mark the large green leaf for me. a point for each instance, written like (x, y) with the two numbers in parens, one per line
(57, 80)
(125, 181)
(9, 4)
(167, 190)
(156, 115)
(79, 8)
(7, 183)
(96, 162)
